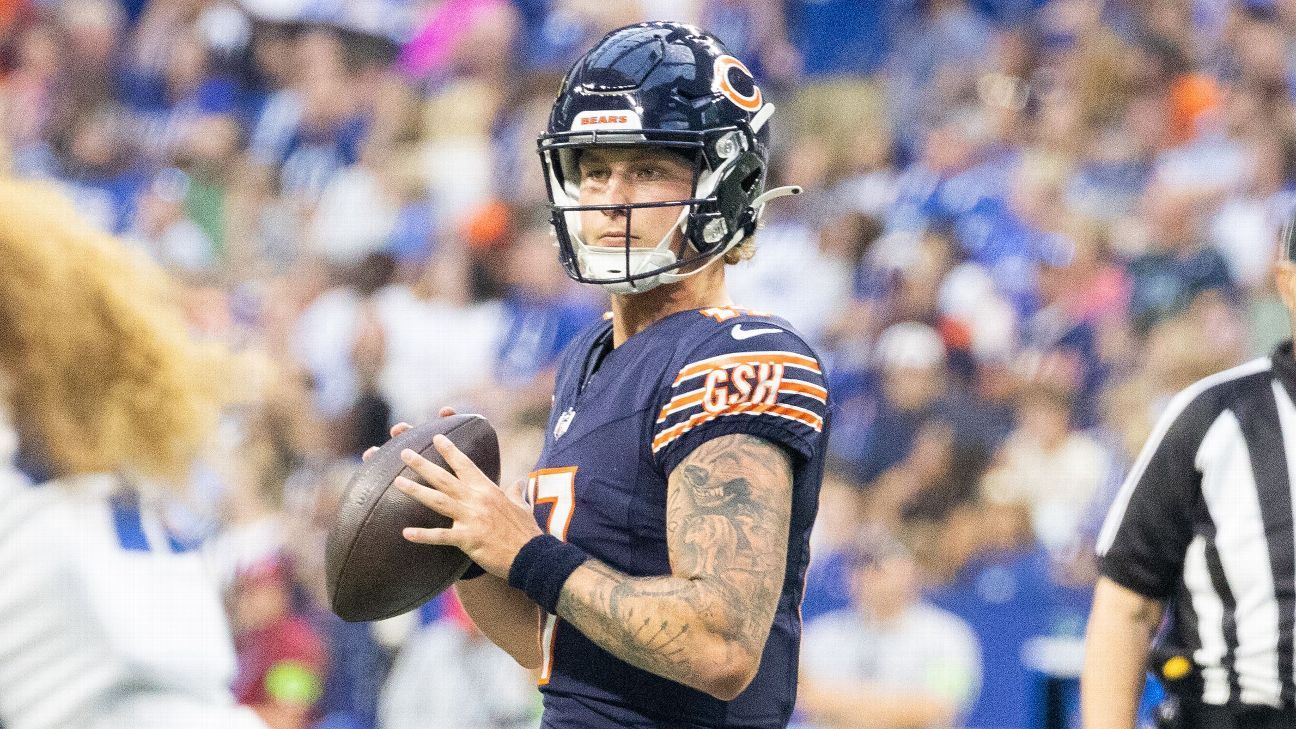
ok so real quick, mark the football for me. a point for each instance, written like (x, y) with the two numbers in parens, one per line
(373, 571)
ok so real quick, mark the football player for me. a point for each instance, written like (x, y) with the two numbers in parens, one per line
(107, 621)
(664, 533)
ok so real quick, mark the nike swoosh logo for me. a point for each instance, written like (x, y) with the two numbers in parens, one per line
(740, 334)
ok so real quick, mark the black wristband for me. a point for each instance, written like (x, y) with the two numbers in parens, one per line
(542, 567)
(474, 571)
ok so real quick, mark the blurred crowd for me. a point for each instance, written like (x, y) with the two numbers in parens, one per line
(1027, 224)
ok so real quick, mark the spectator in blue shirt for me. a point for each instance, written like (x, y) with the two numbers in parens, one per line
(542, 310)
(842, 37)
(938, 51)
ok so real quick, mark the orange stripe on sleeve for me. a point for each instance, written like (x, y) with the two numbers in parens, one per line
(790, 412)
(694, 398)
(681, 402)
(724, 361)
(805, 388)
(799, 414)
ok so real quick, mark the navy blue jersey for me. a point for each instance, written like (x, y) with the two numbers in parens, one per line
(613, 439)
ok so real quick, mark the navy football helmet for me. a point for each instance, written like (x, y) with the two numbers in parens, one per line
(672, 86)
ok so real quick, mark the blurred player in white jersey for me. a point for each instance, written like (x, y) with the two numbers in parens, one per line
(107, 621)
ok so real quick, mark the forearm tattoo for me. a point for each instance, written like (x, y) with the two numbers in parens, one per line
(728, 509)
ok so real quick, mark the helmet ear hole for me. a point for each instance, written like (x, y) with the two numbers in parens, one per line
(751, 182)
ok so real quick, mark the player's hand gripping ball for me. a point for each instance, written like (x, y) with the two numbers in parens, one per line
(373, 571)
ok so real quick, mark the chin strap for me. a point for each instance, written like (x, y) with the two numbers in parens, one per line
(777, 192)
(758, 205)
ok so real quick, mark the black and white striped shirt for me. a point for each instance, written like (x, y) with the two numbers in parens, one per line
(1205, 521)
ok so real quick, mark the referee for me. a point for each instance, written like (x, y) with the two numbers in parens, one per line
(1203, 526)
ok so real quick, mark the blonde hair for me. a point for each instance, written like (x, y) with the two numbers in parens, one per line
(741, 252)
(95, 357)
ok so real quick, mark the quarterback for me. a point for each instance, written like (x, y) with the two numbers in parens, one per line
(653, 569)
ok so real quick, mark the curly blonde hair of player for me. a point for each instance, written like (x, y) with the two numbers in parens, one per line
(96, 361)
